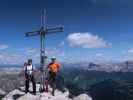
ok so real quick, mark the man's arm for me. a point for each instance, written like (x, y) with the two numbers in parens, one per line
(58, 66)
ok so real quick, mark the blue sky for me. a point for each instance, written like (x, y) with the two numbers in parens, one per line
(94, 30)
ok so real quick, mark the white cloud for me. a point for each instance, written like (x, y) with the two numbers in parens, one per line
(127, 54)
(100, 58)
(31, 50)
(23, 54)
(34, 53)
(48, 51)
(99, 54)
(86, 40)
(20, 56)
(11, 58)
(3, 46)
(53, 52)
(130, 50)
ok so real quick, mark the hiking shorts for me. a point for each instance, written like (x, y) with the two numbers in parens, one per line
(52, 77)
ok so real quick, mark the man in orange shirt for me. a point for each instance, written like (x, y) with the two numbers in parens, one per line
(53, 70)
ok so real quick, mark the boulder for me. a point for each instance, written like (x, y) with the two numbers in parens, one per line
(83, 97)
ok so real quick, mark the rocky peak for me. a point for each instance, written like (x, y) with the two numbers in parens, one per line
(19, 94)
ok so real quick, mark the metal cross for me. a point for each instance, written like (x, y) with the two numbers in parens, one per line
(42, 32)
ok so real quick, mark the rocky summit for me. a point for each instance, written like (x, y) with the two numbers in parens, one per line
(19, 94)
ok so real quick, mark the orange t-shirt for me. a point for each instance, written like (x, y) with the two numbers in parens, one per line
(54, 67)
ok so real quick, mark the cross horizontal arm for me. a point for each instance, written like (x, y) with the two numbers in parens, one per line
(54, 30)
(34, 33)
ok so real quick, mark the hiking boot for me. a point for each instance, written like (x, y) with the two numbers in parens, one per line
(34, 93)
(26, 92)
(53, 93)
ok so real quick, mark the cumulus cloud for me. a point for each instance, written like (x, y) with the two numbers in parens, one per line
(87, 40)
(3, 46)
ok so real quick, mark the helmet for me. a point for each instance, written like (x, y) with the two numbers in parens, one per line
(53, 58)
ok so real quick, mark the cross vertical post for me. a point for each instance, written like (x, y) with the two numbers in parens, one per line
(42, 52)
(42, 39)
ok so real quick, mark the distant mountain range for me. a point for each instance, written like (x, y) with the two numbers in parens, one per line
(110, 67)
(126, 66)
